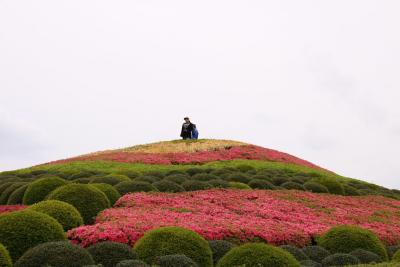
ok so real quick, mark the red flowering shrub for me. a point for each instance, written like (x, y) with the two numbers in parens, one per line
(279, 217)
(10, 208)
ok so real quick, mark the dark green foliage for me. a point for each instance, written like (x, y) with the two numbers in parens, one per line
(193, 171)
(396, 256)
(258, 254)
(110, 253)
(204, 177)
(38, 190)
(175, 261)
(367, 192)
(134, 186)
(260, 184)
(293, 186)
(315, 187)
(5, 259)
(262, 177)
(237, 185)
(174, 240)
(296, 252)
(172, 172)
(310, 263)
(316, 253)
(346, 238)
(168, 186)
(195, 185)
(87, 199)
(219, 172)
(340, 259)
(147, 179)
(239, 177)
(350, 191)
(334, 187)
(82, 174)
(111, 179)
(245, 168)
(177, 178)
(158, 174)
(39, 172)
(22, 230)
(219, 248)
(132, 263)
(66, 214)
(279, 180)
(365, 256)
(391, 250)
(7, 192)
(218, 183)
(297, 180)
(61, 253)
(112, 194)
(4, 186)
(130, 174)
(83, 180)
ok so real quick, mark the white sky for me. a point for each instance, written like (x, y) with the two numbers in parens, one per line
(317, 79)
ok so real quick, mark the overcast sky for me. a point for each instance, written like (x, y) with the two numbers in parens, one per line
(317, 79)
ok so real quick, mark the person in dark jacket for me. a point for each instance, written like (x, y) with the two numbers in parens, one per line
(187, 128)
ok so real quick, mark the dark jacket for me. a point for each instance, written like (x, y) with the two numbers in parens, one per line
(186, 132)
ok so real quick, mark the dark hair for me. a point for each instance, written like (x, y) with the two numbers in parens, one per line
(186, 118)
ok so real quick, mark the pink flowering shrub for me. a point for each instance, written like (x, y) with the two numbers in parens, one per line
(10, 208)
(278, 217)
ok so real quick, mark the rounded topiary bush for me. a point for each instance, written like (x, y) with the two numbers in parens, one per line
(134, 186)
(279, 180)
(204, 177)
(87, 199)
(316, 253)
(66, 214)
(5, 259)
(315, 187)
(17, 196)
(83, 180)
(310, 263)
(111, 179)
(4, 186)
(346, 238)
(132, 263)
(293, 186)
(177, 178)
(296, 252)
(193, 185)
(340, 259)
(110, 253)
(174, 240)
(219, 183)
(7, 192)
(22, 230)
(80, 174)
(112, 194)
(333, 186)
(396, 256)
(391, 250)
(260, 184)
(239, 177)
(258, 254)
(62, 253)
(350, 191)
(39, 189)
(219, 248)
(168, 186)
(193, 171)
(147, 179)
(245, 168)
(130, 174)
(175, 260)
(237, 185)
(365, 256)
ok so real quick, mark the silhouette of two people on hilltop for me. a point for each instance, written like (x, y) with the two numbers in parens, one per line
(189, 130)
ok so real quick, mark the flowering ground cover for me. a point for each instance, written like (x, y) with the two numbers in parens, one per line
(10, 208)
(278, 217)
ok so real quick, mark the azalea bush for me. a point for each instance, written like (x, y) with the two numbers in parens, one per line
(278, 217)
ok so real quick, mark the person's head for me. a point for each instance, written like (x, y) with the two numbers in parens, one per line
(186, 119)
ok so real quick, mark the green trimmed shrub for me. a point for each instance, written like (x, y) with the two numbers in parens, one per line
(245, 168)
(315, 187)
(177, 178)
(261, 176)
(80, 174)
(4, 186)
(293, 186)
(260, 184)
(396, 256)
(334, 187)
(174, 240)
(112, 194)
(219, 172)
(219, 183)
(279, 180)
(62, 253)
(168, 186)
(132, 263)
(133, 186)
(236, 185)
(365, 256)
(87, 199)
(340, 259)
(38, 190)
(296, 252)
(316, 253)
(204, 177)
(173, 172)
(193, 185)
(22, 230)
(219, 248)
(350, 191)
(239, 177)
(158, 174)
(17, 196)
(5, 259)
(310, 263)
(83, 180)
(110, 253)
(193, 171)
(346, 238)
(7, 192)
(391, 250)
(147, 179)
(130, 174)
(175, 260)
(111, 179)
(258, 254)
(66, 214)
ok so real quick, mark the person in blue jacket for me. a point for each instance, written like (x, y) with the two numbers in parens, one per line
(189, 130)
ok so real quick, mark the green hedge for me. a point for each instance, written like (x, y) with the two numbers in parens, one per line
(110, 253)
(174, 240)
(260, 184)
(331, 184)
(17, 196)
(316, 253)
(87, 199)
(219, 248)
(175, 261)
(315, 187)
(340, 259)
(5, 259)
(132, 263)
(293, 186)
(296, 252)
(134, 186)
(365, 256)
(8, 192)
(237, 185)
(168, 186)
(193, 185)
(111, 179)
(38, 190)
(22, 230)
(112, 194)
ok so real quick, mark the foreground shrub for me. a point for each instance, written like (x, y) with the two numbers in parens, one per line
(110, 253)
(176, 260)
(365, 256)
(334, 187)
(134, 186)
(111, 179)
(316, 253)
(5, 259)
(345, 239)
(296, 252)
(315, 187)
(258, 254)
(174, 240)
(293, 186)
(87, 199)
(17, 196)
(22, 230)
(39, 189)
(340, 259)
(112, 194)
(7, 192)
(66, 214)
(310, 263)
(193, 185)
(61, 253)
(237, 185)
(168, 186)
(132, 263)
(219, 248)
(260, 184)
